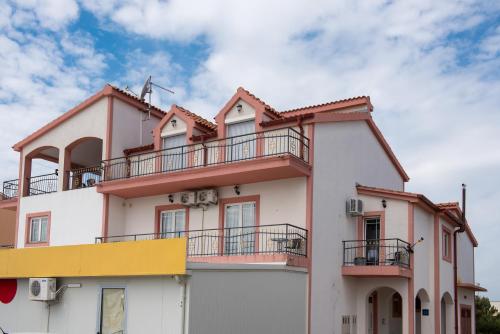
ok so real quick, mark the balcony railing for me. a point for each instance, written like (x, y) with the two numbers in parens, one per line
(84, 177)
(263, 239)
(379, 252)
(10, 189)
(42, 184)
(285, 141)
(9, 246)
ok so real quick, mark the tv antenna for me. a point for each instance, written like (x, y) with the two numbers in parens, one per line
(147, 89)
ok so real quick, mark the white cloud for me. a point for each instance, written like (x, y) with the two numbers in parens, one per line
(50, 14)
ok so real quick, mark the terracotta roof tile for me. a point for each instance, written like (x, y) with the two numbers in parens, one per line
(136, 98)
(266, 106)
(320, 107)
(198, 119)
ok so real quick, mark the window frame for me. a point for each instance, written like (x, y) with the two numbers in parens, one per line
(446, 248)
(99, 305)
(29, 218)
(170, 207)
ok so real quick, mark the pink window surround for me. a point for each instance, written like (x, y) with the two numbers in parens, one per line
(240, 199)
(29, 216)
(160, 208)
(361, 228)
(446, 249)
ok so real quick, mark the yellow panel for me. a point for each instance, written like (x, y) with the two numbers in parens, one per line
(134, 258)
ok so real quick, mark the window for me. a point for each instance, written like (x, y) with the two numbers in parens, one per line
(239, 228)
(175, 152)
(112, 311)
(172, 223)
(38, 229)
(241, 142)
(446, 245)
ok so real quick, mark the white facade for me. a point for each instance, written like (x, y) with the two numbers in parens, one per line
(310, 267)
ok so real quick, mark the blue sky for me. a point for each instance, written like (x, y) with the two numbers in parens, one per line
(432, 69)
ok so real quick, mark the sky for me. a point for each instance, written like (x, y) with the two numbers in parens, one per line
(431, 68)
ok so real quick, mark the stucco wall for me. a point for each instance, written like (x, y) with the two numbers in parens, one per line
(153, 305)
(7, 227)
(465, 255)
(281, 202)
(247, 302)
(445, 267)
(76, 215)
(344, 153)
(131, 128)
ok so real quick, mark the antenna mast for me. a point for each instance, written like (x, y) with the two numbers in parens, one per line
(148, 89)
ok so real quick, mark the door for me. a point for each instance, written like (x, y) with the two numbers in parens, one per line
(239, 228)
(465, 320)
(174, 154)
(241, 141)
(172, 223)
(372, 237)
(112, 311)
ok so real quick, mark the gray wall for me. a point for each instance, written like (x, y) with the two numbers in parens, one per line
(247, 302)
(344, 153)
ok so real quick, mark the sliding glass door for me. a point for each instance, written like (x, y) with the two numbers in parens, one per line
(239, 228)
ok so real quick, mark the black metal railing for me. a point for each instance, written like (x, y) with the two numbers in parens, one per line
(42, 184)
(285, 141)
(10, 189)
(84, 177)
(263, 239)
(379, 252)
(7, 246)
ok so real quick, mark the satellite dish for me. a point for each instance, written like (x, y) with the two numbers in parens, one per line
(146, 88)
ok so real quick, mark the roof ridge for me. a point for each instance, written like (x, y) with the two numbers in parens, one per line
(326, 104)
(197, 118)
(266, 106)
(122, 91)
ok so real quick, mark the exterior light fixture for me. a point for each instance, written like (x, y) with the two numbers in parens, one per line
(174, 123)
(384, 203)
(239, 107)
(237, 189)
(171, 198)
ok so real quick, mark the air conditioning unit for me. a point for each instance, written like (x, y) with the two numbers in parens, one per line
(206, 196)
(188, 198)
(354, 207)
(42, 289)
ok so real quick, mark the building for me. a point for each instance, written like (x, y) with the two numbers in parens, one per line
(262, 222)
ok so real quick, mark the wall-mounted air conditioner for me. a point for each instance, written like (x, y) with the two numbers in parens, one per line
(188, 198)
(42, 289)
(206, 196)
(354, 207)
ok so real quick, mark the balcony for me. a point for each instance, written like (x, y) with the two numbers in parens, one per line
(263, 243)
(376, 258)
(84, 177)
(8, 197)
(250, 158)
(42, 184)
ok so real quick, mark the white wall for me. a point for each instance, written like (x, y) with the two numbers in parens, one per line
(445, 267)
(247, 112)
(465, 255)
(247, 302)
(281, 202)
(130, 128)
(153, 305)
(76, 215)
(344, 153)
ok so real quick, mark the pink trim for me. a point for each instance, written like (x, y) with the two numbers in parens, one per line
(376, 271)
(68, 165)
(105, 215)
(174, 111)
(330, 106)
(471, 286)
(411, 283)
(437, 292)
(29, 216)
(27, 167)
(375, 312)
(160, 208)
(222, 213)
(19, 194)
(309, 224)
(289, 260)
(251, 171)
(445, 231)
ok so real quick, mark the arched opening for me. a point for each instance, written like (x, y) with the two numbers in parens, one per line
(447, 314)
(41, 171)
(82, 163)
(385, 311)
(422, 313)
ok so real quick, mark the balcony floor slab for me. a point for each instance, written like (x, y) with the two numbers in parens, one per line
(376, 271)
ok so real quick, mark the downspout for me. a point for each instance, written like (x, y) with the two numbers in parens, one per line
(460, 229)
(301, 128)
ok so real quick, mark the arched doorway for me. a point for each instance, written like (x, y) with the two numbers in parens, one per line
(447, 314)
(82, 163)
(41, 171)
(385, 311)
(422, 313)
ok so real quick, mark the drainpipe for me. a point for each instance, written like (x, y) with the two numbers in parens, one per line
(300, 119)
(182, 280)
(460, 229)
